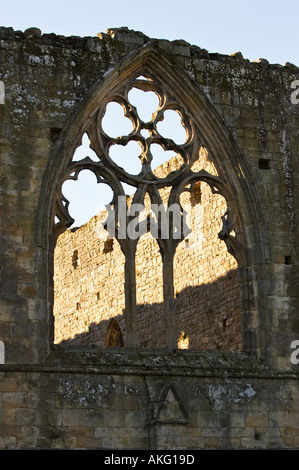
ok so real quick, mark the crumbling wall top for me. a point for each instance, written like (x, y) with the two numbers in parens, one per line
(129, 38)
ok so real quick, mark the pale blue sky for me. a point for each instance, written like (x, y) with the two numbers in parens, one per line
(259, 29)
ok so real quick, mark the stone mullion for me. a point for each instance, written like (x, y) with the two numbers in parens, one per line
(168, 294)
(130, 299)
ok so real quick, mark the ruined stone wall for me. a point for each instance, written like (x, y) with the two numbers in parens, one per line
(80, 409)
(46, 77)
(89, 281)
(117, 398)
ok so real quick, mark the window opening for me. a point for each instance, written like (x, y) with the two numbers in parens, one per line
(151, 155)
(75, 259)
(288, 259)
(86, 197)
(171, 127)
(84, 151)
(163, 157)
(209, 288)
(87, 297)
(146, 103)
(114, 121)
(128, 190)
(114, 336)
(151, 324)
(183, 341)
(264, 164)
(127, 157)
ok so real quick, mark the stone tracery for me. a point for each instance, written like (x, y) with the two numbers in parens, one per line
(147, 183)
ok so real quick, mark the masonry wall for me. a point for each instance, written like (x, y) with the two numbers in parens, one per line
(77, 409)
(52, 397)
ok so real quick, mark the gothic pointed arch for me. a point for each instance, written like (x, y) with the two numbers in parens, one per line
(114, 336)
(151, 69)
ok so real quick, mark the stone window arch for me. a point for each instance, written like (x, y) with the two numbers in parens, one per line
(150, 70)
(114, 336)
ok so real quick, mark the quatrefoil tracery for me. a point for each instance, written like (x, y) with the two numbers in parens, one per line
(137, 134)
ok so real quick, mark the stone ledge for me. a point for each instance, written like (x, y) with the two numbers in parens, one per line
(153, 362)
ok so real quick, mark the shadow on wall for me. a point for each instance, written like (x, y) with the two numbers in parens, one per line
(207, 317)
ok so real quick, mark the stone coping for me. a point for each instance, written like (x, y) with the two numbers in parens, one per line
(130, 361)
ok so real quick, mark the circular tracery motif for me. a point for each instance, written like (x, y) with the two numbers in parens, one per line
(147, 133)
